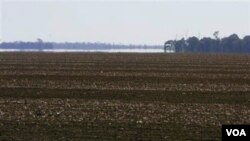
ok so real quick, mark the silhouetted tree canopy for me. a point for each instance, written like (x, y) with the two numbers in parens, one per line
(230, 44)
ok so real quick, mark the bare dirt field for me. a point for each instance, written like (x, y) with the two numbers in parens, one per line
(120, 96)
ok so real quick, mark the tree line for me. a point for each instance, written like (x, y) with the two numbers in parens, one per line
(40, 45)
(26, 45)
(230, 44)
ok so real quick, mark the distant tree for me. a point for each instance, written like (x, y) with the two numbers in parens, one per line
(180, 45)
(246, 43)
(39, 40)
(231, 43)
(39, 45)
(207, 45)
(216, 35)
(193, 44)
(169, 45)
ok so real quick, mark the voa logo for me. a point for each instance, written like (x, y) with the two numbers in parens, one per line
(236, 132)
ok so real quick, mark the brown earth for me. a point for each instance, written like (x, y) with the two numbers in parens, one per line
(120, 96)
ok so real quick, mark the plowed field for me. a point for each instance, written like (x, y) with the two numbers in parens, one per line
(121, 96)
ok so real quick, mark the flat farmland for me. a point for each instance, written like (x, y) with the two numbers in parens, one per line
(122, 96)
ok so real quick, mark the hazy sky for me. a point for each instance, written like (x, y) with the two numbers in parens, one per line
(126, 22)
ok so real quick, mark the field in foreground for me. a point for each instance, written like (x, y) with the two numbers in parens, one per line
(98, 96)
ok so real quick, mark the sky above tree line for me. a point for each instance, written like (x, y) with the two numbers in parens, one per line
(122, 21)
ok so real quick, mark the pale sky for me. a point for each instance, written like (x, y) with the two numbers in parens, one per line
(122, 21)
